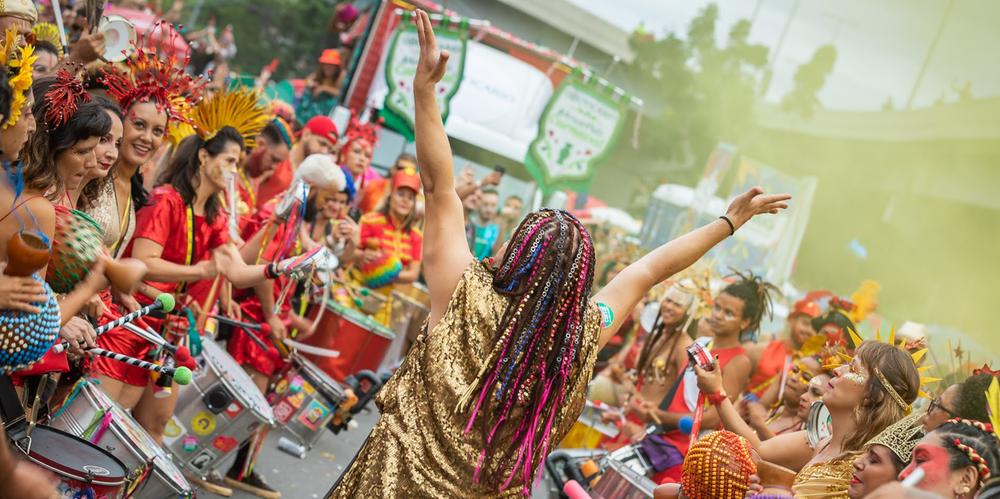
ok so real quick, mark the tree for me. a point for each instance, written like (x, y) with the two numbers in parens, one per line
(809, 80)
(706, 92)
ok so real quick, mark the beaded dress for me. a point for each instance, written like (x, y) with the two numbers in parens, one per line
(419, 447)
(105, 212)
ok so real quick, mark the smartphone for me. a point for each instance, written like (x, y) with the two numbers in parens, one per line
(701, 357)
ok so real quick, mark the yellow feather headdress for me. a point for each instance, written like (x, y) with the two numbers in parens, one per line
(916, 351)
(48, 32)
(239, 108)
(18, 58)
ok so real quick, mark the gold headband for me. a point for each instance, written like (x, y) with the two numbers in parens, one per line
(892, 392)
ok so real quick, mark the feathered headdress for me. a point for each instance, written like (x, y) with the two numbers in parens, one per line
(62, 99)
(917, 356)
(18, 59)
(152, 79)
(48, 32)
(240, 109)
(356, 130)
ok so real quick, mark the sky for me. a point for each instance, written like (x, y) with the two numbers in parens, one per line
(881, 45)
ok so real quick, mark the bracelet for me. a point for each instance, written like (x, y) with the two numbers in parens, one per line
(270, 271)
(732, 228)
(716, 398)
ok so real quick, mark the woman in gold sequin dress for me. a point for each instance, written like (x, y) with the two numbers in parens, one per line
(864, 397)
(501, 373)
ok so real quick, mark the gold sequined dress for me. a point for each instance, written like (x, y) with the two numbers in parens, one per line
(827, 480)
(418, 448)
(105, 212)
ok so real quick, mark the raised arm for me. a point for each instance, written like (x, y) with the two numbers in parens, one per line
(446, 252)
(629, 286)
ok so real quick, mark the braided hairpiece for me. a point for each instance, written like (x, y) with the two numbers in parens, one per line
(973, 455)
(546, 273)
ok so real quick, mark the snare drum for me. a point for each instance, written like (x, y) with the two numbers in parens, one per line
(632, 457)
(361, 341)
(83, 469)
(619, 481)
(90, 414)
(220, 409)
(304, 399)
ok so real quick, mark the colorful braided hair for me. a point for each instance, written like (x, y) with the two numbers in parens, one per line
(974, 445)
(547, 272)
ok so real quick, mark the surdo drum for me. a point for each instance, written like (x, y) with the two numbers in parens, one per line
(220, 409)
(305, 399)
(83, 469)
(361, 341)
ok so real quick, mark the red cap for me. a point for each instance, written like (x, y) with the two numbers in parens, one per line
(406, 178)
(330, 56)
(324, 127)
(806, 307)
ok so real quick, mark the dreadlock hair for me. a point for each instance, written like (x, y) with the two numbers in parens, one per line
(756, 295)
(182, 171)
(547, 272)
(965, 440)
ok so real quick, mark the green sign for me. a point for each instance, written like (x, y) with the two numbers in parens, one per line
(579, 126)
(401, 66)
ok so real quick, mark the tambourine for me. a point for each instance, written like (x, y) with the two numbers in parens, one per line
(819, 424)
(119, 38)
(701, 357)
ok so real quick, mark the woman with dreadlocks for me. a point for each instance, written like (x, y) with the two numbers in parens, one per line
(501, 371)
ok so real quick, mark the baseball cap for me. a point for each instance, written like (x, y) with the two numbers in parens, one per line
(330, 56)
(324, 127)
(406, 178)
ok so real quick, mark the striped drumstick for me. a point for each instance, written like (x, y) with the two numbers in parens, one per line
(163, 302)
(181, 375)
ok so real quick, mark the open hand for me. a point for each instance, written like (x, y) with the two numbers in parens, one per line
(755, 202)
(88, 48)
(21, 293)
(433, 62)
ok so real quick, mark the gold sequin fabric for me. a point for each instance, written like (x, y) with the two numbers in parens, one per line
(827, 480)
(105, 212)
(419, 447)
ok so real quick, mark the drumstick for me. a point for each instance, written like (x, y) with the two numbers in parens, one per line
(207, 305)
(235, 323)
(163, 302)
(181, 375)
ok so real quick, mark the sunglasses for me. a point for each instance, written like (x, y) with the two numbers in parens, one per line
(937, 404)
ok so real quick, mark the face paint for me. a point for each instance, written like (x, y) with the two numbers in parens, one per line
(934, 459)
(855, 378)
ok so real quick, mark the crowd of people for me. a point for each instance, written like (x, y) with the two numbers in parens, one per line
(529, 316)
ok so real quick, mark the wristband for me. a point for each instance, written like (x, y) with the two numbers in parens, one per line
(270, 272)
(716, 398)
(732, 228)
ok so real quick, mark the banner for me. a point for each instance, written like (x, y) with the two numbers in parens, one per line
(578, 128)
(401, 66)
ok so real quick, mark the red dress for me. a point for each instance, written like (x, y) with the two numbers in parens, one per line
(163, 221)
(769, 366)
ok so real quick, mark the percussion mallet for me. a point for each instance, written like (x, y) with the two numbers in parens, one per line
(163, 302)
(181, 354)
(181, 375)
(245, 325)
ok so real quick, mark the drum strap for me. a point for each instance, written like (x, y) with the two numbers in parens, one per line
(10, 403)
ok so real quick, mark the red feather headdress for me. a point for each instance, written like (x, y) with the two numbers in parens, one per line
(62, 99)
(152, 79)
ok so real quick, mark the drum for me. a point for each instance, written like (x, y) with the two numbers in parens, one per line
(90, 414)
(632, 457)
(83, 469)
(304, 399)
(620, 481)
(219, 410)
(404, 312)
(361, 341)
(418, 293)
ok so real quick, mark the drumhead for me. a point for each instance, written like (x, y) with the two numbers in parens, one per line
(627, 473)
(320, 379)
(360, 319)
(74, 458)
(819, 424)
(119, 37)
(236, 380)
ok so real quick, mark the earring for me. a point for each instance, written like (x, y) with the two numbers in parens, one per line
(961, 493)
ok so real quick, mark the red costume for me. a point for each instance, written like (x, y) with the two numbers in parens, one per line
(279, 182)
(769, 367)
(164, 221)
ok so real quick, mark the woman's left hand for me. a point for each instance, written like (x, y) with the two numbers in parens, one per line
(278, 330)
(709, 381)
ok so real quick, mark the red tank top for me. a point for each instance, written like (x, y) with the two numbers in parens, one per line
(772, 361)
(724, 356)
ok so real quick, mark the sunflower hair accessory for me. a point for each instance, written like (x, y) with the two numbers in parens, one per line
(901, 437)
(62, 99)
(152, 79)
(240, 109)
(19, 59)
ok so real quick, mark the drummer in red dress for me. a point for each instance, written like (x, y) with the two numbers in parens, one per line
(152, 94)
(391, 245)
(319, 136)
(182, 236)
